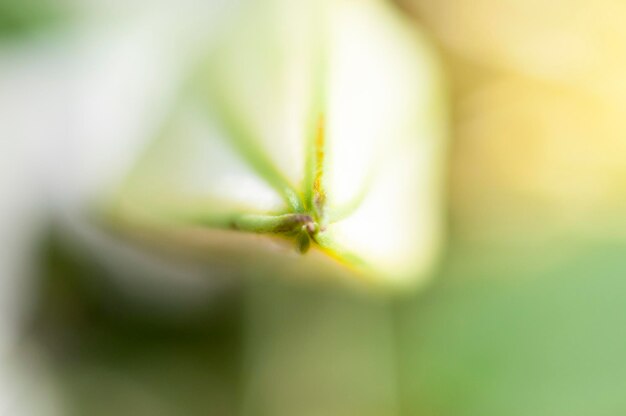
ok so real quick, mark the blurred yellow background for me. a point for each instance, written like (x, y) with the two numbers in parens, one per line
(538, 97)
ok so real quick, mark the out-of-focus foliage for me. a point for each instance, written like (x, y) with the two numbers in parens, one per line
(22, 17)
(519, 331)
(534, 331)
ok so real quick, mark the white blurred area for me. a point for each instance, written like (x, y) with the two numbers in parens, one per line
(77, 103)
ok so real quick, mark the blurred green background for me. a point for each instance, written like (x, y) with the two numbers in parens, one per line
(23, 18)
(503, 329)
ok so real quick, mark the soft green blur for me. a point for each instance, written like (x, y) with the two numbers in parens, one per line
(24, 17)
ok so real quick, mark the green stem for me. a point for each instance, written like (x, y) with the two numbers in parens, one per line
(276, 224)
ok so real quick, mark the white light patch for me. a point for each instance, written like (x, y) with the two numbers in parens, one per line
(395, 229)
(377, 88)
(383, 142)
